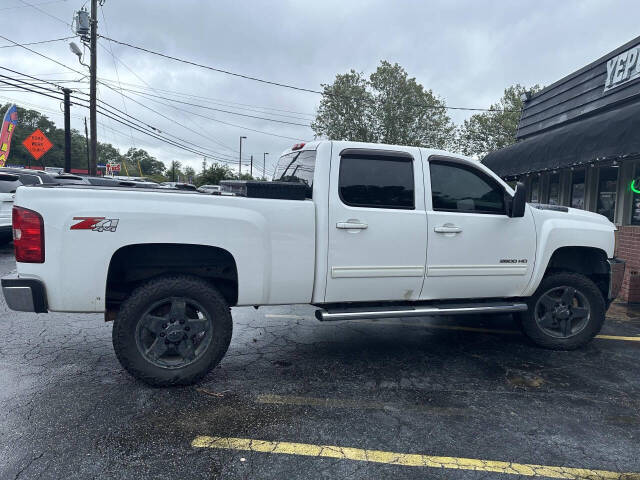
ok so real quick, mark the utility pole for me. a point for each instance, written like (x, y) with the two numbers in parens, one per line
(93, 89)
(86, 137)
(251, 170)
(264, 164)
(67, 130)
(240, 157)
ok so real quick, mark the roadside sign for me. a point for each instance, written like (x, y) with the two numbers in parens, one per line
(37, 144)
(112, 167)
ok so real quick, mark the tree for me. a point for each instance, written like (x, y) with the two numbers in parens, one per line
(213, 174)
(488, 131)
(174, 173)
(389, 107)
(190, 174)
(30, 120)
(140, 160)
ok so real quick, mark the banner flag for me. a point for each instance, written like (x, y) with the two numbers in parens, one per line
(8, 126)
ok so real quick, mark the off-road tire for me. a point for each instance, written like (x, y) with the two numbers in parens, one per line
(125, 324)
(581, 284)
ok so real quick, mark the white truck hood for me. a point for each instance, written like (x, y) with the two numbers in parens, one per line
(543, 212)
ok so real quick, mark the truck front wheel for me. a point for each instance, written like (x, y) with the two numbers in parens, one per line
(565, 313)
(172, 330)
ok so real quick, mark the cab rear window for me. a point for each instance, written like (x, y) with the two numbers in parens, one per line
(297, 167)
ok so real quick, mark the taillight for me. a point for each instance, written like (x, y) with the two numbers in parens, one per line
(297, 146)
(28, 235)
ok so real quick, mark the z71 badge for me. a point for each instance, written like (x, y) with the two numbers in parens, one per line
(96, 224)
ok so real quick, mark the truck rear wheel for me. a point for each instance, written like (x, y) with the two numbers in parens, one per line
(172, 330)
(565, 313)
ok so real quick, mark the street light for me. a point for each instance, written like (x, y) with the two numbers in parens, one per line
(264, 164)
(240, 159)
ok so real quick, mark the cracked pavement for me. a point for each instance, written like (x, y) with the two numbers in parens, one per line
(68, 410)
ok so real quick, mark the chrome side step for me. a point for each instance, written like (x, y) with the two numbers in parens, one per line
(418, 311)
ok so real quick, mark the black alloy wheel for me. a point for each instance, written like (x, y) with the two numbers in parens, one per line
(562, 312)
(174, 332)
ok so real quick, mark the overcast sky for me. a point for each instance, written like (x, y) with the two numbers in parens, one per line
(465, 51)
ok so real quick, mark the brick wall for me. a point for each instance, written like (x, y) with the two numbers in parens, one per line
(628, 249)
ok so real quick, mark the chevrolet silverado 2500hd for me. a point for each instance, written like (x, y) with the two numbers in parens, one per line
(372, 231)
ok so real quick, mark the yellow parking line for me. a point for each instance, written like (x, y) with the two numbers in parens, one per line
(617, 337)
(406, 459)
(460, 328)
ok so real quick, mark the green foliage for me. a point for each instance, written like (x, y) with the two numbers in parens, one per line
(214, 173)
(488, 131)
(389, 107)
(30, 120)
(138, 159)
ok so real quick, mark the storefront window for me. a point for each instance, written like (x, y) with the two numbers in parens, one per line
(577, 189)
(634, 186)
(554, 189)
(535, 189)
(607, 188)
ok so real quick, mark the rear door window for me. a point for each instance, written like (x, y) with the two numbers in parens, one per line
(297, 167)
(376, 182)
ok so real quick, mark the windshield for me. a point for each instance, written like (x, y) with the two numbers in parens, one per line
(297, 167)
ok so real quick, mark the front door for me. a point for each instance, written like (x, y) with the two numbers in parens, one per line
(377, 226)
(475, 249)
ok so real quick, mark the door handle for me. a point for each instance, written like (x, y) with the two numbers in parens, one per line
(351, 225)
(447, 229)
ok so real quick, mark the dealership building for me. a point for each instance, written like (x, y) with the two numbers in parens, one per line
(578, 145)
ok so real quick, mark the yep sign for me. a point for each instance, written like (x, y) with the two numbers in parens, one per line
(622, 68)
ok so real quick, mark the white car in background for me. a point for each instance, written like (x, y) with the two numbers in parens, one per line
(212, 189)
(8, 185)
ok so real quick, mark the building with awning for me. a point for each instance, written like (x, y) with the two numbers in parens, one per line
(578, 145)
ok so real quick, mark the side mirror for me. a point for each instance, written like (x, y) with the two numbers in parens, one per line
(519, 201)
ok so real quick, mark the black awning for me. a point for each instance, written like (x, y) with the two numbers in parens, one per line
(609, 135)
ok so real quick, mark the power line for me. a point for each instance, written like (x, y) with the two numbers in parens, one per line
(219, 70)
(220, 110)
(108, 86)
(115, 66)
(38, 4)
(225, 103)
(212, 139)
(187, 146)
(40, 42)
(285, 85)
(212, 119)
(30, 90)
(44, 12)
(43, 56)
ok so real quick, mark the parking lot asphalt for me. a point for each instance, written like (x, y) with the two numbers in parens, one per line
(460, 398)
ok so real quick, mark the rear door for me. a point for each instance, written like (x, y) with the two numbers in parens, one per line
(377, 225)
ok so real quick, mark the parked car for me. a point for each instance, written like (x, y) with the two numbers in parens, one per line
(179, 186)
(121, 182)
(212, 189)
(369, 231)
(8, 184)
(30, 177)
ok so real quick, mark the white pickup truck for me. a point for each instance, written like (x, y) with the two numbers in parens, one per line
(370, 231)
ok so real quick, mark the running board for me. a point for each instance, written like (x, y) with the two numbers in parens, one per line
(355, 313)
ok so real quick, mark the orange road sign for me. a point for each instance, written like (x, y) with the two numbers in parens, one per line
(37, 144)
